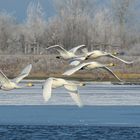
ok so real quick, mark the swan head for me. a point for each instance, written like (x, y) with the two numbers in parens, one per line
(30, 84)
(111, 64)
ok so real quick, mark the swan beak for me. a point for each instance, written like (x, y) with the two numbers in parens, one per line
(58, 57)
(86, 58)
(30, 84)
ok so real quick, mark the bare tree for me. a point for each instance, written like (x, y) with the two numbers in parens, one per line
(122, 13)
(76, 21)
(7, 28)
(34, 28)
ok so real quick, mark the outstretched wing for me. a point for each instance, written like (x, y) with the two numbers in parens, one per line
(126, 62)
(73, 50)
(112, 73)
(24, 73)
(59, 48)
(76, 98)
(75, 69)
(47, 90)
(3, 79)
(76, 61)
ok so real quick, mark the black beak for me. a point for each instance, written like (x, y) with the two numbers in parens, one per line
(84, 84)
(86, 58)
(58, 57)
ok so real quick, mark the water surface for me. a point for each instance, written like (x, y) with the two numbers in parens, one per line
(15, 132)
(110, 112)
(91, 94)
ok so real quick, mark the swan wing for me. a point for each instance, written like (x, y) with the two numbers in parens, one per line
(24, 73)
(58, 48)
(126, 62)
(71, 87)
(75, 69)
(73, 50)
(76, 98)
(80, 58)
(47, 90)
(3, 79)
(112, 73)
(74, 63)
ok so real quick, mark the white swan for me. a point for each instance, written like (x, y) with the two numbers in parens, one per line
(97, 53)
(58, 82)
(7, 84)
(90, 66)
(66, 54)
(76, 61)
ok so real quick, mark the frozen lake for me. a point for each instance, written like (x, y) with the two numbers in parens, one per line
(91, 94)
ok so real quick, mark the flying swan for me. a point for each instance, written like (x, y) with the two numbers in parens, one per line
(90, 66)
(97, 53)
(58, 82)
(7, 84)
(66, 54)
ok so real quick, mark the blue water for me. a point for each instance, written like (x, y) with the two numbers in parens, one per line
(110, 112)
(70, 115)
(40, 132)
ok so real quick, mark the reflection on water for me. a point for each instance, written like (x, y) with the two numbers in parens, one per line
(91, 94)
(68, 133)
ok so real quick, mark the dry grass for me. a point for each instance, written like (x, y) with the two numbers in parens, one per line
(46, 66)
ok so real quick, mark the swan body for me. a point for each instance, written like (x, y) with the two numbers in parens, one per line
(66, 54)
(91, 66)
(7, 84)
(97, 53)
(94, 54)
(59, 82)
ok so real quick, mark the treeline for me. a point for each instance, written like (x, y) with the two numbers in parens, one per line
(114, 24)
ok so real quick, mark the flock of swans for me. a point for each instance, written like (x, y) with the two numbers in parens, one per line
(76, 61)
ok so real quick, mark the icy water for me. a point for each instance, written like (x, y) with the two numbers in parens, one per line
(110, 112)
(91, 94)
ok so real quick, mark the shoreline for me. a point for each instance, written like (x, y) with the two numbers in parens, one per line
(42, 79)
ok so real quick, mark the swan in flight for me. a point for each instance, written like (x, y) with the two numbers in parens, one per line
(7, 84)
(97, 53)
(58, 82)
(90, 66)
(66, 54)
